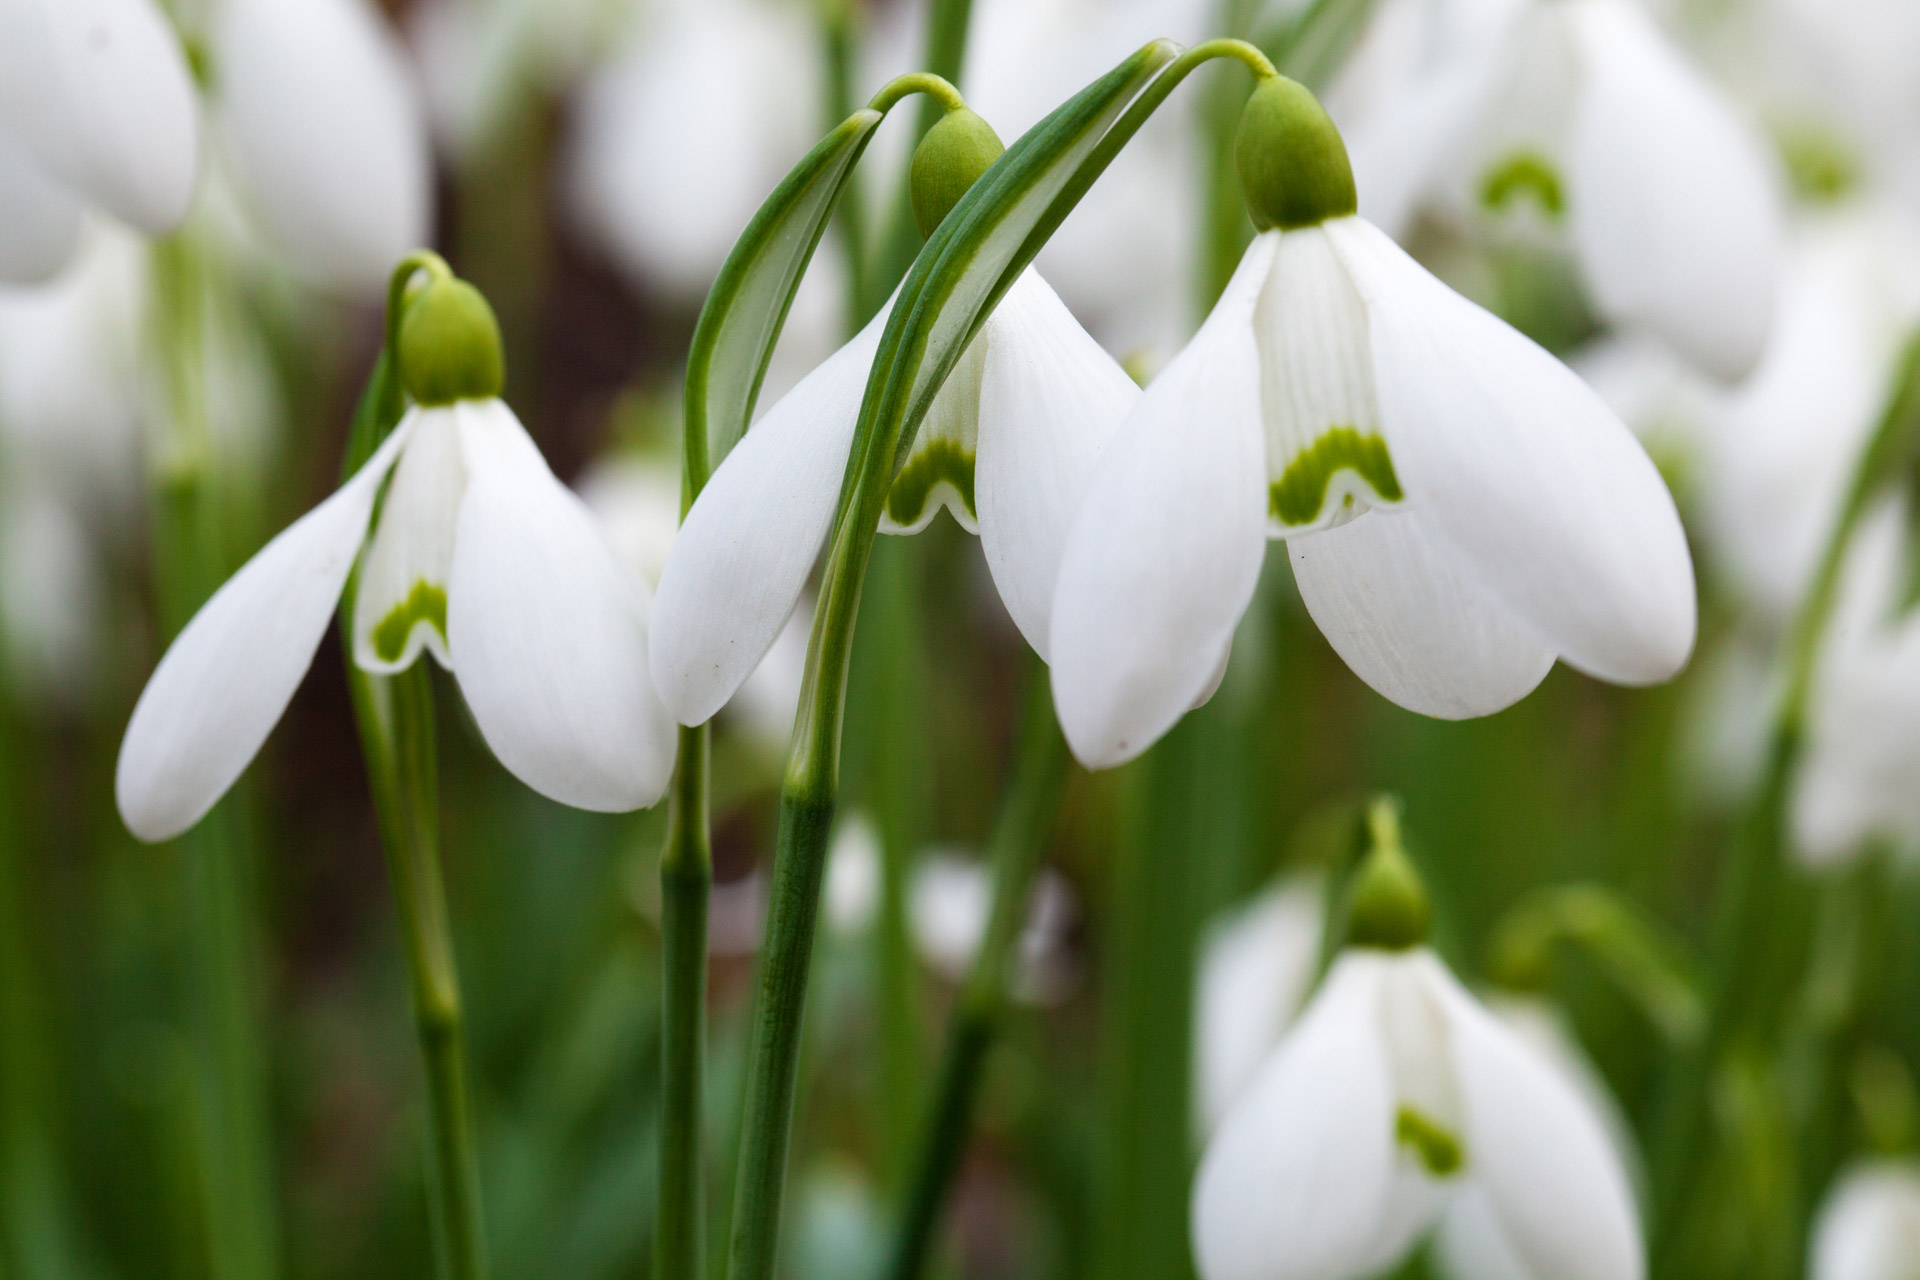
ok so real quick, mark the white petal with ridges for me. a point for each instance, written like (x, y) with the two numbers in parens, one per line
(1675, 209)
(1163, 557)
(744, 552)
(1382, 591)
(318, 102)
(401, 603)
(223, 683)
(1295, 1183)
(1542, 494)
(41, 217)
(548, 630)
(1050, 400)
(98, 92)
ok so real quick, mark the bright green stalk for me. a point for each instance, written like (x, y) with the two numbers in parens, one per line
(1027, 815)
(190, 562)
(1759, 919)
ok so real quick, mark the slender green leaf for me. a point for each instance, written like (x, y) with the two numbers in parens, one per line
(1313, 46)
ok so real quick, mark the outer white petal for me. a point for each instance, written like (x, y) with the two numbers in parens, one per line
(1389, 600)
(548, 629)
(412, 547)
(1472, 1245)
(1869, 1226)
(1294, 1184)
(1163, 557)
(42, 219)
(743, 555)
(1674, 211)
(1550, 1175)
(99, 93)
(229, 674)
(1256, 969)
(1525, 472)
(1050, 400)
(327, 133)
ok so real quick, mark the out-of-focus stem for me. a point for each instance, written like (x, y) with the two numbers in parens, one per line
(686, 879)
(1027, 815)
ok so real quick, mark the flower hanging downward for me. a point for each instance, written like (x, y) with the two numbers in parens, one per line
(1459, 507)
(1007, 446)
(479, 555)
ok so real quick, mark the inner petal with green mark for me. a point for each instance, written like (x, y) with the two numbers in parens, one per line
(939, 470)
(425, 606)
(402, 603)
(1527, 176)
(1432, 1144)
(1326, 459)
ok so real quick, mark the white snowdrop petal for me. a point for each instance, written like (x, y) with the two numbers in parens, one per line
(1674, 211)
(401, 598)
(1471, 1245)
(1552, 1180)
(1869, 1226)
(1050, 400)
(1384, 593)
(939, 470)
(1543, 494)
(1256, 968)
(548, 630)
(317, 101)
(1295, 1182)
(98, 92)
(742, 557)
(229, 674)
(1163, 557)
(42, 219)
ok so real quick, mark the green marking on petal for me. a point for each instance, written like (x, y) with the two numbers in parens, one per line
(425, 603)
(1297, 496)
(1525, 173)
(932, 462)
(1438, 1149)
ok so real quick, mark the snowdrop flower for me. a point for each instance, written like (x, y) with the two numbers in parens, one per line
(478, 556)
(1869, 1226)
(1006, 448)
(1396, 1103)
(96, 110)
(1459, 508)
(1579, 117)
(950, 903)
(1256, 970)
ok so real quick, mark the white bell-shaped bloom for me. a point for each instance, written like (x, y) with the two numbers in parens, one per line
(1579, 116)
(324, 128)
(96, 108)
(1869, 1226)
(1459, 508)
(1256, 969)
(1397, 1101)
(1007, 447)
(479, 556)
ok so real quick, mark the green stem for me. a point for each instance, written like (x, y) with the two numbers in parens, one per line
(686, 879)
(1757, 916)
(1020, 833)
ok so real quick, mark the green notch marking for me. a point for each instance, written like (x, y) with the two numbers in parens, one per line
(425, 603)
(939, 460)
(1438, 1150)
(1297, 496)
(1526, 173)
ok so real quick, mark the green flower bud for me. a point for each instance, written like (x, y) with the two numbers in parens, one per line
(954, 154)
(1390, 909)
(1293, 164)
(450, 345)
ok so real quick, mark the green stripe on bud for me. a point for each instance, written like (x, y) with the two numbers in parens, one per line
(1390, 908)
(1293, 163)
(949, 160)
(450, 345)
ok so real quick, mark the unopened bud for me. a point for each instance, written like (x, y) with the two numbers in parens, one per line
(948, 161)
(450, 345)
(1293, 164)
(1390, 909)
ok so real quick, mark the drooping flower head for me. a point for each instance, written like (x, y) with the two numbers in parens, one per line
(478, 555)
(1459, 508)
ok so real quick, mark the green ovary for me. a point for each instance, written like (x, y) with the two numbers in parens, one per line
(1526, 173)
(1439, 1151)
(425, 603)
(1297, 496)
(938, 460)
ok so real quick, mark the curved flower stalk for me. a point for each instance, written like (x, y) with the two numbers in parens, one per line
(1399, 1105)
(96, 110)
(1459, 508)
(1869, 1226)
(478, 556)
(1007, 447)
(1580, 121)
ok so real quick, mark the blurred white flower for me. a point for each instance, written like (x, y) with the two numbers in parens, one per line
(1007, 447)
(950, 902)
(1869, 1226)
(50, 594)
(852, 893)
(1459, 508)
(1576, 117)
(1396, 1104)
(1256, 970)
